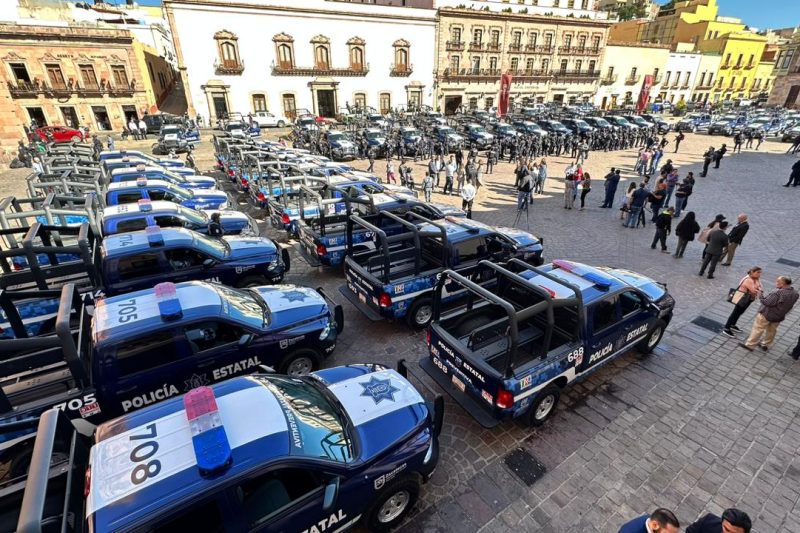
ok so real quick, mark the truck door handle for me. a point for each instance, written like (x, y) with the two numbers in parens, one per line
(596, 345)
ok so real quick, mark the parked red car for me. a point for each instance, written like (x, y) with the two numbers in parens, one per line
(59, 134)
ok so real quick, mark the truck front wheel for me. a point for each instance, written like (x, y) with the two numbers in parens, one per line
(543, 406)
(299, 363)
(650, 342)
(420, 313)
(393, 504)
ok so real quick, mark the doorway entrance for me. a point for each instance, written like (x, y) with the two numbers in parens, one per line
(130, 113)
(37, 117)
(326, 103)
(558, 98)
(101, 118)
(220, 106)
(451, 104)
(70, 117)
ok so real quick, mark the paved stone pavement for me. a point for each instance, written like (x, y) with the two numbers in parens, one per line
(697, 426)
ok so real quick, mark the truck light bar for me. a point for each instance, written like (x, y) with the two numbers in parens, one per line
(168, 303)
(154, 236)
(145, 205)
(600, 281)
(211, 447)
(140, 167)
(141, 181)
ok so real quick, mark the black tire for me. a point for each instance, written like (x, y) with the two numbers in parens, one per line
(300, 362)
(76, 139)
(543, 406)
(650, 342)
(383, 516)
(281, 124)
(420, 313)
(252, 281)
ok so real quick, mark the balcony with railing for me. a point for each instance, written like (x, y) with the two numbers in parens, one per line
(454, 46)
(90, 89)
(726, 65)
(633, 79)
(704, 86)
(59, 89)
(608, 79)
(577, 74)
(320, 69)
(228, 67)
(530, 74)
(467, 74)
(122, 89)
(737, 66)
(24, 89)
(475, 46)
(515, 47)
(578, 50)
(401, 70)
(658, 78)
(493, 47)
(749, 66)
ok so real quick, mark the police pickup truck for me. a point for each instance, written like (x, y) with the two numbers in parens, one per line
(510, 351)
(132, 217)
(127, 192)
(181, 179)
(140, 259)
(121, 353)
(323, 238)
(121, 154)
(318, 454)
(395, 277)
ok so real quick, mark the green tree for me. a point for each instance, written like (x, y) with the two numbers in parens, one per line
(632, 11)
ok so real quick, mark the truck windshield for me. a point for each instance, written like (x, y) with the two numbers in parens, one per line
(198, 218)
(245, 306)
(374, 135)
(215, 247)
(336, 137)
(318, 425)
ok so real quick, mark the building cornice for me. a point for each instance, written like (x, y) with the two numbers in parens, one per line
(64, 33)
(521, 17)
(238, 4)
(633, 44)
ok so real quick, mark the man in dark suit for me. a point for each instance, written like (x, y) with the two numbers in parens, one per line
(735, 237)
(732, 521)
(660, 521)
(717, 243)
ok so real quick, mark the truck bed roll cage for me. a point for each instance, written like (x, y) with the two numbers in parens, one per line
(547, 305)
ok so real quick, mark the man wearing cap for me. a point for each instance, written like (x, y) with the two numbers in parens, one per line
(663, 224)
(731, 521)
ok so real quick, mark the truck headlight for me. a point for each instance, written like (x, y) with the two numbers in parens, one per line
(429, 453)
(328, 331)
(272, 266)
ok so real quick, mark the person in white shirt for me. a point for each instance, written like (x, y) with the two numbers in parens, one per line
(142, 129)
(468, 193)
(134, 129)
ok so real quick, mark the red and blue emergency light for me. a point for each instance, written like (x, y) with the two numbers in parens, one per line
(154, 236)
(168, 303)
(600, 281)
(141, 181)
(211, 447)
(145, 205)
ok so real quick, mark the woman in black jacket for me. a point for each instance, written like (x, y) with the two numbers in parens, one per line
(685, 231)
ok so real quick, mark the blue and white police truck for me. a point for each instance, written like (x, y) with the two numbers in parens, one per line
(140, 259)
(114, 355)
(144, 213)
(507, 351)
(323, 453)
(127, 192)
(395, 278)
(166, 162)
(183, 180)
(323, 238)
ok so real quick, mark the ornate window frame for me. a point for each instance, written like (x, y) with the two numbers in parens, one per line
(321, 42)
(355, 45)
(284, 41)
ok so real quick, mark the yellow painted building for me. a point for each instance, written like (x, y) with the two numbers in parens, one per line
(740, 54)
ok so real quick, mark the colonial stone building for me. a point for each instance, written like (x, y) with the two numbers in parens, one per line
(288, 57)
(67, 75)
(550, 57)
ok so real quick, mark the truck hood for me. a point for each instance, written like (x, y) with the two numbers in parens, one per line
(342, 144)
(244, 247)
(210, 195)
(200, 182)
(522, 238)
(290, 304)
(382, 405)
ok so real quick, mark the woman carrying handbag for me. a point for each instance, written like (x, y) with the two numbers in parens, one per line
(741, 298)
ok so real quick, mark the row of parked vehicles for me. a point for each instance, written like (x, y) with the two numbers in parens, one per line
(168, 338)
(784, 125)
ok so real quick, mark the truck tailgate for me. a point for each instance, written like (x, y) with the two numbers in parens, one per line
(362, 289)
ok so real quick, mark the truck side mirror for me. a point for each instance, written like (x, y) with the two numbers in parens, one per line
(331, 494)
(208, 263)
(245, 340)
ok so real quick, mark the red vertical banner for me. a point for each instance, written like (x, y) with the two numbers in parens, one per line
(644, 96)
(505, 90)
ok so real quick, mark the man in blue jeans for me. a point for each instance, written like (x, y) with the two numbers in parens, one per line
(637, 204)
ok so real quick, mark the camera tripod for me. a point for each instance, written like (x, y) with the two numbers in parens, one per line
(526, 205)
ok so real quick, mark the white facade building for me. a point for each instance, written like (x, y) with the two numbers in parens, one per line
(679, 76)
(291, 56)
